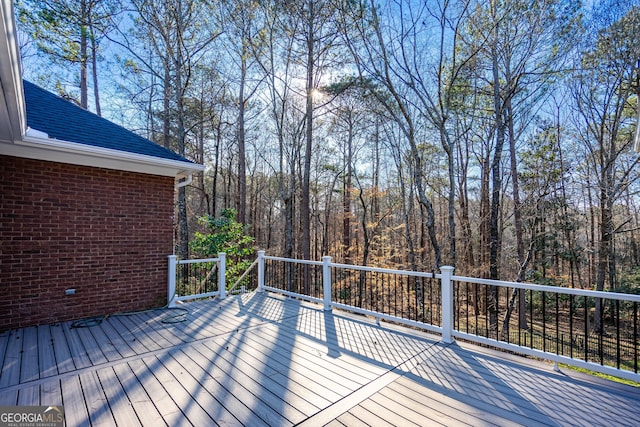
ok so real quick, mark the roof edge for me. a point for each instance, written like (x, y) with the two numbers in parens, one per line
(11, 73)
(36, 145)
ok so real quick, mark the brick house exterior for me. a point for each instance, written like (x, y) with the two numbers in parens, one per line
(86, 206)
(104, 233)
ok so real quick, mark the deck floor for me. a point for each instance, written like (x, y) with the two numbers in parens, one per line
(261, 359)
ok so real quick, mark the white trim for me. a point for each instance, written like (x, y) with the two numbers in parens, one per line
(37, 145)
(12, 107)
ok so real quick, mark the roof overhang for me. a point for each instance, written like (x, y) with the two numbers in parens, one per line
(37, 145)
(12, 107)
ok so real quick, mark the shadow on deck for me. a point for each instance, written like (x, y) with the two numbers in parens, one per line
(260, 359)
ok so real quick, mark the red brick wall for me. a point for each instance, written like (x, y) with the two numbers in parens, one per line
(102, 232)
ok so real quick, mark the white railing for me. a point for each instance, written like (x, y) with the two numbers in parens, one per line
(450, 286)
(324, 281)
(220, 265)
(632, 375)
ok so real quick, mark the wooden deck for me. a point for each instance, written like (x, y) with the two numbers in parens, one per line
(260, 359)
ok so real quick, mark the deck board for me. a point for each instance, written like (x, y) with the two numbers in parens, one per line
(97, 404)
(107, 348)
(407, 408)
(115, 339)
(119, 403)
(303, 370)
(48, 365)
(128, 336)
(281, 395)
(139, 334)
(4, 343)
(51, 393)
(260, 359)
(291, 388)
(187, 393)
(163, 404)
(27, 395)
(77, 352)
(61, 349)
(75, 404)
(264, 404)
(226, 393)
(347, 419)
(96, 352)
(29, 369)
(10, 373)
(144, 409)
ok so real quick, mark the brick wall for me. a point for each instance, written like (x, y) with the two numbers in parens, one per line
(102, 232)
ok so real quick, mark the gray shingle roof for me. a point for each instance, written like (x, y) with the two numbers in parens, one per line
(62, 119)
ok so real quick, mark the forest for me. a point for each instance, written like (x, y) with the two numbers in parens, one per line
(495, 136)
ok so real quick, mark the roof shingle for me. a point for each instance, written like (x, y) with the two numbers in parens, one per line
(63, 120)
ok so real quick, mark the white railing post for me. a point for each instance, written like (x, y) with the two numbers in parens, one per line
(447, 303)
(171, 280)
(326, 281)
(222, 272)
(260, 271)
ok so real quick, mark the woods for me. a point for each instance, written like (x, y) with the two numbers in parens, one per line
(495, 136)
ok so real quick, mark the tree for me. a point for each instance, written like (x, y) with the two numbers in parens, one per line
(225, 234)
(376, 54)
(603, 89)
(70, 32)
(173, 32)
(350, 107)
(318, 36)
(241, 27)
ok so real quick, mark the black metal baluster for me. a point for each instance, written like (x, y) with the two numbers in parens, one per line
(531, 304)
(601, 334)
(586, 329)
(544, 321)
(618, 333)
(467, 316)
(395, 295)
(508, 324)
(486, 311)
(475, 285)
(557, 323)
(379, 280)
(635, 337)
(571, 326)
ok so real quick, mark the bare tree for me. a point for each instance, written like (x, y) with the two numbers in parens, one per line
(603, 89)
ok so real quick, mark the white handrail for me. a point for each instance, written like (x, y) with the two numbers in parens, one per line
(547, 288)
(198, 261)
(293, 261)
(429, 275)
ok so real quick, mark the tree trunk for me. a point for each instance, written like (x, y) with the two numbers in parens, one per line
(496, 183)
(242, 166)
(448, 147)
(305, 202)
(94, 70)
(517, 217)
(84, 57)
(346, 199)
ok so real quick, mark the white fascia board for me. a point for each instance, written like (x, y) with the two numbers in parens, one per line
(13, 121)
(35, 146)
